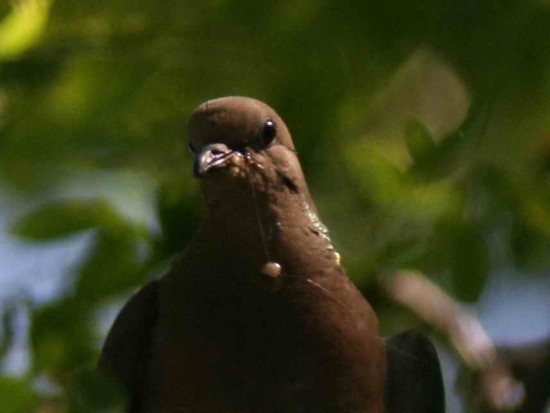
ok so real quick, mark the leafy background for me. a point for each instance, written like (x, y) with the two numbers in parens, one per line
(423, 128)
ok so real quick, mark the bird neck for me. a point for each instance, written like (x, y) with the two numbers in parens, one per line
(252, 227)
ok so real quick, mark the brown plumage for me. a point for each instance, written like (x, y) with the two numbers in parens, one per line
(257, 314)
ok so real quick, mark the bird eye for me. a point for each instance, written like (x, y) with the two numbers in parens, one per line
(268, 133)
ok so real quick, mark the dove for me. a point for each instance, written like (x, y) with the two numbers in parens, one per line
(257, 313)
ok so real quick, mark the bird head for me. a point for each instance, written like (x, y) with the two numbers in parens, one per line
(238, 140)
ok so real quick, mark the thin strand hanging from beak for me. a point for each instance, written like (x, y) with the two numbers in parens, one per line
(270, 268)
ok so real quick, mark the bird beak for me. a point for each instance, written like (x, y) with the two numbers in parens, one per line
(214, 155)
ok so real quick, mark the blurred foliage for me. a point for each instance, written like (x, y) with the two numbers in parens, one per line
(423, 128)
(22, 28)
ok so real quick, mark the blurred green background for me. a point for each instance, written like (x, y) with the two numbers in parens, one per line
(423, 128)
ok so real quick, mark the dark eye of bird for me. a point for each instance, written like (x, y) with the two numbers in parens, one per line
(268, 133)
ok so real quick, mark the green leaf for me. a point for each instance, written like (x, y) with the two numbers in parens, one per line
(111, 267)
(470, 263)
(179, 211)
(446, 158)
(23, 27)
(419, 140)
(6, 337)
(62, 337)
(530, 247)
(456, 150)
(16, 395)
(94, 392)
(64, 218)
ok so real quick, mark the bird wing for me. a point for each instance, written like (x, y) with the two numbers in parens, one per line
(414, 383)
(128, 348)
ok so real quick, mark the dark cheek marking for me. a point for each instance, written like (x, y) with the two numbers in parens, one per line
(288, 182)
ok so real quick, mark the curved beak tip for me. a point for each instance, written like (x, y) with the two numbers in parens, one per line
(211, 156)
